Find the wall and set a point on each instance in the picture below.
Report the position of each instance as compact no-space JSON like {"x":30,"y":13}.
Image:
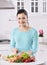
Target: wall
{"x":8,"y":21}
{"x":6,"y":25}
{"x":39,"y":22}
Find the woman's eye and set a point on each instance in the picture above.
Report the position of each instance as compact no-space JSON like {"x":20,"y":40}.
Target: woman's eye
{"x":23,"y":17}
{"x":19,"y":18}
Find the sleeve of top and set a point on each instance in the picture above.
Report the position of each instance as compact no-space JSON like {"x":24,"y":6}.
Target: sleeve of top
{"x":35,"y":43}
{"x":12,"y":41}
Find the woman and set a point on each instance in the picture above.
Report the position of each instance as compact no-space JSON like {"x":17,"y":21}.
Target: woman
{"x":24,"y":38}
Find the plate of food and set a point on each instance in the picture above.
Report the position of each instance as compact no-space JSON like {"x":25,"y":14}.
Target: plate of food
{"x":19,"y":58}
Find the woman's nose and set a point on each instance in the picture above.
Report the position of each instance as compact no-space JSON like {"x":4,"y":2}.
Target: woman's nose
{"x":21,"y":21}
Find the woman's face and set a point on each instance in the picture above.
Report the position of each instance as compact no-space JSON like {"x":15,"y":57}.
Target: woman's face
{"x":22,"y":19}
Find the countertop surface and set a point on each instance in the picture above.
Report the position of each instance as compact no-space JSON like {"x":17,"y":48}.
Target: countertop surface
{"x":39,"y":61}
{"x":41,"y":58}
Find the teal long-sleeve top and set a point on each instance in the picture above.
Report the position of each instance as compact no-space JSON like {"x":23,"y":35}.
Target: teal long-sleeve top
{"x":24,"y":41}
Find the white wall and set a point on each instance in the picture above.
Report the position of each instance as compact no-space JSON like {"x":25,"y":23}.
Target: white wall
{"x":5,"y":24}
{"x":38,"y":21}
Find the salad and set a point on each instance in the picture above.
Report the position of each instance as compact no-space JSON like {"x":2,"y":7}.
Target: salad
{"x":24,"y":57}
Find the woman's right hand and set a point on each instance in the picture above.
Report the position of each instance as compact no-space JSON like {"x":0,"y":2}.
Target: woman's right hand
{"x":15,"y":51}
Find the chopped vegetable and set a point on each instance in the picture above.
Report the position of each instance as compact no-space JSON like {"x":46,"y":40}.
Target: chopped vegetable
{"x":11,"y":56}
{"x":17,"y":58}
{"x":25,"y":55}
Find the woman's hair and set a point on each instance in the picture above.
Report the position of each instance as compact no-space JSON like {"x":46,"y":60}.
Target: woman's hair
{"x":22,"y":11}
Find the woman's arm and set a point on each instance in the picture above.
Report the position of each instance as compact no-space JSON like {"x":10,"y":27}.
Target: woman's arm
{"x":35,"y":43}
{"x":13,"y":43}
{"x":33,"y":49}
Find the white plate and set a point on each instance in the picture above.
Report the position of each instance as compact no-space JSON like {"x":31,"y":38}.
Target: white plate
{"x":39,"y":60}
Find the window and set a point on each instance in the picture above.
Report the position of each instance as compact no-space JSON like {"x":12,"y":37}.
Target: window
{"x":32,"y":9}
{"x":44,"y":5}
{"x":18,"y":8}
{"x":34,"y":5}
{"x":20,"y":4}
{"x":36,"y":9}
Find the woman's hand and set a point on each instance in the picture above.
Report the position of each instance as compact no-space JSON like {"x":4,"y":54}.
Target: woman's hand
{"x":14,"y":50}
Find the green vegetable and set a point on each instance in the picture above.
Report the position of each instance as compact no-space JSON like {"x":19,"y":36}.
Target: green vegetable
{"x":25,"y":55}
{"x":11,"y":56}
{"x":8,"y":56}
{"x":18,"y":60}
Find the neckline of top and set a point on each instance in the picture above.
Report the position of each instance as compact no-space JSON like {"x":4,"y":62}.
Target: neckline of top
{"x":25,"y":31}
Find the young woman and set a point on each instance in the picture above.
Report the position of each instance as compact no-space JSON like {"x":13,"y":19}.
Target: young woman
{"x":24,"y":38}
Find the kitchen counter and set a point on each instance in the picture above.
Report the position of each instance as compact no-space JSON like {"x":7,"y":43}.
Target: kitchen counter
{"x":40,"y":59}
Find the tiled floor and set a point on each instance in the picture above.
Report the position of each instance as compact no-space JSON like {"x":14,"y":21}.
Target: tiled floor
{"x":42,"y":50}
